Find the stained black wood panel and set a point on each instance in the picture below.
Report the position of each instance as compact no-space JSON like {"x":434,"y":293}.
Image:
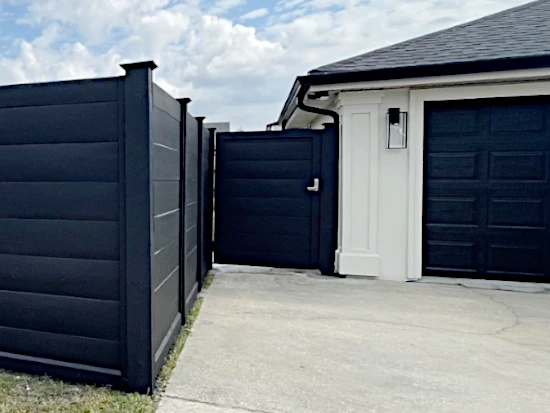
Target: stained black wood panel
{"x":166,"y":196}
{"x":92,"y":188}
{"x":71,"y":277}
{"x":165,"y":309}
{"x":164,"y":102}
{"x":206,"y":171}
{"x":67,"y":348}
{"x":165,"y":261}
{"x":264,"y":212}
{"x":73,"y":239}
{"x":61,"y":315}
{"x":487,"y":189}
{"x":60,"y":93}
{"x":63,"y":162}
{"x":191,"y":222}
{"x":90,"y":201}
{"x":59,"y":123}
{"x":60,"y":283}
{"x":165,"y":163}
{"x":166,"y":221}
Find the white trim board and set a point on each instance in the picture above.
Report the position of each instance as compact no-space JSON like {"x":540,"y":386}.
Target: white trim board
{"x":418,"y":98}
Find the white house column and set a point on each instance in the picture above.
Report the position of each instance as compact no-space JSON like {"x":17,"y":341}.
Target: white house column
{"x":358,"y":227}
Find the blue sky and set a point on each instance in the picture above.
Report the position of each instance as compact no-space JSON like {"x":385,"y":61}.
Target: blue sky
{"x":236,"y":59}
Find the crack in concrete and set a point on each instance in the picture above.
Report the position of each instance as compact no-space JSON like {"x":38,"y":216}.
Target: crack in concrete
{"x":515,"y":315}
{"x":357,"y":320}
{"x":517,"y":319}
{"x":213,"y":404}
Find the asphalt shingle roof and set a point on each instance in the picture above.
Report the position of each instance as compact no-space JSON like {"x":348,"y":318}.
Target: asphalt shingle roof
{"x":523,"y":31}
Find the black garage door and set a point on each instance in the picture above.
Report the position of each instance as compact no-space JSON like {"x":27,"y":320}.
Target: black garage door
{"x":487,"y":195}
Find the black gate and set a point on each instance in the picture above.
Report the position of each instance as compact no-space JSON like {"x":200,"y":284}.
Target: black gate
{"x":276,"y":198}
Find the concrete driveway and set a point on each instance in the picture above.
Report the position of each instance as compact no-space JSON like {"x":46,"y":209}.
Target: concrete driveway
{"x":302,"y":343}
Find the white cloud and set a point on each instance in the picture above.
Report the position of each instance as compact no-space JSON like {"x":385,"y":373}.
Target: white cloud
{"x":255,"y":14}
{"x":236,"y":72}
{"x":289,"y":4}
{"x":223,"y":6}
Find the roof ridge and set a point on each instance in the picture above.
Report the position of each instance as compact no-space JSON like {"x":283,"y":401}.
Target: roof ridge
{"x":434,"y":34}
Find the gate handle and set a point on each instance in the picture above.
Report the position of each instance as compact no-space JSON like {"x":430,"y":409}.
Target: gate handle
{"x":315,"y":187}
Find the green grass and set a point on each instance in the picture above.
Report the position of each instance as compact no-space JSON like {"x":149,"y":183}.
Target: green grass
{"x":21,"y":393}
{"x":170,"y":364}
{"x":208,"y":281}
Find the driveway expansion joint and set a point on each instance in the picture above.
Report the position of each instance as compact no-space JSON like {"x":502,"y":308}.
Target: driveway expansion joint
{"x":223,"y":406}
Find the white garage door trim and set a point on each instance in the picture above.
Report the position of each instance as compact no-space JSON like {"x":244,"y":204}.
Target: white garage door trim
{"x":416,"y":148}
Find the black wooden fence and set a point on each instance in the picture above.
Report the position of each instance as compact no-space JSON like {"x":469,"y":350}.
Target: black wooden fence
{"x":206,"y":210}
{"x":99,"y":227}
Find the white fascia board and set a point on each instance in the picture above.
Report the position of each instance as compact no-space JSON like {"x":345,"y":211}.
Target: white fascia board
{"x":472,"y":78}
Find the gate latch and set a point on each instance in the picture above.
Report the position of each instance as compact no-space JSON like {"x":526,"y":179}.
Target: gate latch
{"x":315,"y":187}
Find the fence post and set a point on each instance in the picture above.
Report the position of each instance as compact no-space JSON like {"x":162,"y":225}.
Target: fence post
{"x":137,"y":344}
{"x":200,"y":217}
{"x":211,"y":196}
{"x":184,"y":102}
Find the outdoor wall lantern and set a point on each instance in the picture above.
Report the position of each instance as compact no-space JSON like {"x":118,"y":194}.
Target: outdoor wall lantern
{"x":397,"y":129}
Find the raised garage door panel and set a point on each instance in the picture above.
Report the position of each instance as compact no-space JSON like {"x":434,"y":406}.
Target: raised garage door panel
{"x":486,"y":197}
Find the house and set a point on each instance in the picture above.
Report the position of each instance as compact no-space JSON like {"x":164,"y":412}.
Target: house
{"x":444,"y":150}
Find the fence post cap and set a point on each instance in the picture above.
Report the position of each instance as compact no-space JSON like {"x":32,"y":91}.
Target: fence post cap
{"x":139,"y":65}
{"x":184,"y":101}
{"x":200,"y":119}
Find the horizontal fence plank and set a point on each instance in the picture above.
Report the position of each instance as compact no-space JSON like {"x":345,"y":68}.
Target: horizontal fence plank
{"x":281,"y":243}
{"x":165,"y":196}
{"x":60,"y":238}
{"x":60,"y":200}
{"x":77,"y":162}
{"x":265,"y":225}
{"x":269,"y":188}
{"x":190,"y":240}
{"x":164,"y":262}
{"x":190,"y":273}
{"x":91,"y":122}
{"x":191,"y":215}
{"x":259,"y":169}
{"x":60,"y":93}
{"x":165,"y":308}
{"x":166,"y":344}
{"x":166,"y":230}
{"x":60,"y":276}
{"x":72,"y":349}
{"x":192,"y":167}
{"x":166,"y":129}
{"x":191,"y":136}
{"x":264,"y":206}
{"x":61,"y":315}
{"x":264,"y":149}
{"x":165,"y":102}
{"x":166,"y":164}
{"x":191,"y":190}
